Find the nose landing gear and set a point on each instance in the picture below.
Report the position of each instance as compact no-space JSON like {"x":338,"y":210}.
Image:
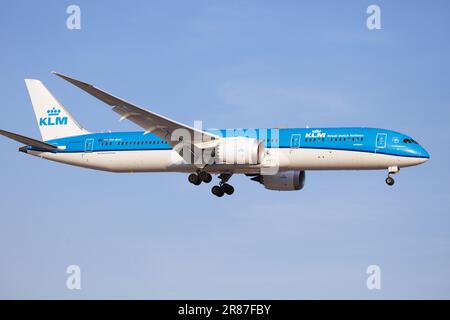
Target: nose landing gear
{"x":391,"y":170}
{"x":390,"y":181}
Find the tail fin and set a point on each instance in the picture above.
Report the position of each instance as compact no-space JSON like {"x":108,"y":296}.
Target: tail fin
{"x":53,"y":119}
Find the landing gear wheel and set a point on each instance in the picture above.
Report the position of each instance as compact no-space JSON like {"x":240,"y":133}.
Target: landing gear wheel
{"x":205,"y":177}
{"x":390,"y":181}
{"x":228,"y":189}
{"x":217,"y":191}
{"x":194,"y":179}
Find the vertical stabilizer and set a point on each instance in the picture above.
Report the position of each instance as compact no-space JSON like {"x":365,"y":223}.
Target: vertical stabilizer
{"x":53,"y":119}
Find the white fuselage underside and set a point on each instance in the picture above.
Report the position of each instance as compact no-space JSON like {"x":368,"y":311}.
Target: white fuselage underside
{"x":274,"y":160}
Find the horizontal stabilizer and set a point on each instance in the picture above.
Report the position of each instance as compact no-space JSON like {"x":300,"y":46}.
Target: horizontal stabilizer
{"x":28,"y":141}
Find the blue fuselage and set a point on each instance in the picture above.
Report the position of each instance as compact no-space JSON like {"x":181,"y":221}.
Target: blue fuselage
{"x":370,"y":140}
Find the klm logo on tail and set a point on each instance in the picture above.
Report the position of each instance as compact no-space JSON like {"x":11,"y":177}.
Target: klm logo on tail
{"x":53,"y":118}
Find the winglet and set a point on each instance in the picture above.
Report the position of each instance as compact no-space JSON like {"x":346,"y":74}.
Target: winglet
{"x":89,"y":88}
{"x":75,"y":82}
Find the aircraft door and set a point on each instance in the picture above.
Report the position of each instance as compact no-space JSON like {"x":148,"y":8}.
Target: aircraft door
{"x":380,"y":141}
{"x":295,"y":141}
{"x":89,"y":145}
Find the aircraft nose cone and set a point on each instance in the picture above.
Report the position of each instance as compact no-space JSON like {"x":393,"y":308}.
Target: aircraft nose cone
{"x":425,"y":154}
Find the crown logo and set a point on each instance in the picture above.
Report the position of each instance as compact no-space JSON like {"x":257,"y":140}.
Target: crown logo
{"x":53,"y":112}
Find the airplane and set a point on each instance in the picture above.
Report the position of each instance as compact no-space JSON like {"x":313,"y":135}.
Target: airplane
{"x":277,"y":158}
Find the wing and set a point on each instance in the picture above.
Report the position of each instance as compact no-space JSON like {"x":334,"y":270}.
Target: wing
{"x":28,"y":141}
{"x":151,"y":122}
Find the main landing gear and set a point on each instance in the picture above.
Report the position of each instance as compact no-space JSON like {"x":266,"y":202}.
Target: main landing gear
{"x":219,"y":190}
{"x":223,"y":187}
{"x":392,"y":170}
{"x":202,"y":176}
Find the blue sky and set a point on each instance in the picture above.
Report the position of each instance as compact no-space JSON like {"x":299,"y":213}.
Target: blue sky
{"x":230,"y":64}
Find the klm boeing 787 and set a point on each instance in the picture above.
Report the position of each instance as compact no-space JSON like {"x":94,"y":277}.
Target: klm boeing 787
{"x":277,"y":157}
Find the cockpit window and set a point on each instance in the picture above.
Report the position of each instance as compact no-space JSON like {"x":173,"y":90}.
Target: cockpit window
{"x":409,"y":141}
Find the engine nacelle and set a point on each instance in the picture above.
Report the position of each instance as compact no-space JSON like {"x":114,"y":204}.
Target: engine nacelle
{"x":283,"y":181}
{"x":239,"y":150}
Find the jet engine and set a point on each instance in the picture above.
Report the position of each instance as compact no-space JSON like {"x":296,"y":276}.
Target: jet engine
{"x":283,"y":181}
{"x":239,"y":150}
